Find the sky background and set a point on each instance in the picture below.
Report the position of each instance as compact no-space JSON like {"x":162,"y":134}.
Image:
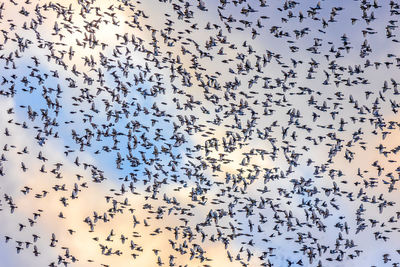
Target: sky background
{"x":199,"y":133}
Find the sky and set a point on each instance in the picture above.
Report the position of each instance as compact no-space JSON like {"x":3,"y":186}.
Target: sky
{"x":199,"y":133}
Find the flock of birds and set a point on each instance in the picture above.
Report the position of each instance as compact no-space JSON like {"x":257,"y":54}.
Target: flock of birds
{"x":199,"y":133}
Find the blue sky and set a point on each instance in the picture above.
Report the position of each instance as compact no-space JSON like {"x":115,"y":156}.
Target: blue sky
{"x":201,"y":91}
